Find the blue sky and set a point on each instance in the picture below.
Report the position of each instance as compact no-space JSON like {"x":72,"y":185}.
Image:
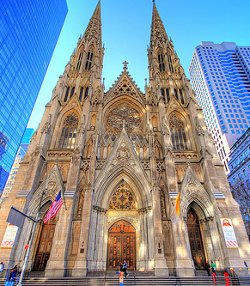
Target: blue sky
{"x":126,"y":33}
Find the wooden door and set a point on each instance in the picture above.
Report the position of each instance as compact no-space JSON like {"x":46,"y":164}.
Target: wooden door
{"x":195,"y":240}
{"x":121,"y":245}
{"x":44,"y":247}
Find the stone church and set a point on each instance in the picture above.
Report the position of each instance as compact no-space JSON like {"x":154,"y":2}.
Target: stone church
{"x":120,"y":158}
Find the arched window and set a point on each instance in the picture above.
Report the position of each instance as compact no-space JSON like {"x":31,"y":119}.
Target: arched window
{"x":66,"y":94}
{"x":161,"y":62}
{"x":79,"y":62}
{"x":80,"y":94}
{"x":170,"y":63}
{"x":86,"y":92}
{"x":181,"y":96}
{"x":89,"y":61}
{"x":72,"y":91}
{"x":69,"y":131}
{"x":178,"y":135}
{"x":176,"y":93}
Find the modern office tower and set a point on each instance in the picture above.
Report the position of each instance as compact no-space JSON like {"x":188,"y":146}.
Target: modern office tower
{"x":220,"y":76}
{"x":19,"y":157}
{"x":239,"y":176}
{"x":28,"y":34}
{"x":140,"y":177}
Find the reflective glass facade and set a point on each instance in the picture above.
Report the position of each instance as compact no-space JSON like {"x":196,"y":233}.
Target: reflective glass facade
{"x":220,"y":76}
{"x":29,"y":31}
{"x":19,"y":156}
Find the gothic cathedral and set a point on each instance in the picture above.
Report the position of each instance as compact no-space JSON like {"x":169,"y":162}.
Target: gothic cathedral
{"x":121,"y":158}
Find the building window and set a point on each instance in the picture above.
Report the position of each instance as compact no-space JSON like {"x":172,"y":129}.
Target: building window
{"x":66,"y":94}
{"x":80,"y":94}
{"x":69,"y":131}
{"x":72,"y":91}
{"x":161,"y":62}
{"x":86,"y":92}
{"x":181,"y":96}
{"x":178,"y":134}
{"x":170,"y":63}
{"x":79,"y":63}
{"x":176,"y":93}
{"x":89,"y":61}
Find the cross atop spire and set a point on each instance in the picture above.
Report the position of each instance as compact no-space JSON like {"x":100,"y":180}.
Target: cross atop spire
{"x":125,"y":65}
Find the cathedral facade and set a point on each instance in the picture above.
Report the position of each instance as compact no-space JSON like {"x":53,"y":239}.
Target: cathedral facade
{"x":121,"y":158}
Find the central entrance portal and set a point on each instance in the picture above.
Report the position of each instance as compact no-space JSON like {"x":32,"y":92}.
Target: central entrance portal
{"x":121,"y":245}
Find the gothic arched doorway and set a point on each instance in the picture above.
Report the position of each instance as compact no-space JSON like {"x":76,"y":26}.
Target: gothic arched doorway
{"x":195,"y":239}
{"x":44,"y":245}
{"x":121,"y":245}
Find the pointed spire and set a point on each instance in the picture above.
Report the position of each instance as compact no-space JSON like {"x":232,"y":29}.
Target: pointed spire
{"x":93,"y":31}
{"x":158,"y":31}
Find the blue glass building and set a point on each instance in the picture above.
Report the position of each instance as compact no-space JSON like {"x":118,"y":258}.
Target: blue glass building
{"x":220,"y":76}
{"x":19,"y":156}
{"x":29,"y":31}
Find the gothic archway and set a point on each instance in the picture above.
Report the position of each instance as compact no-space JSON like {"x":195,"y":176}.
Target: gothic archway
{"x":121,"y":245}
{"x":195,"y":239}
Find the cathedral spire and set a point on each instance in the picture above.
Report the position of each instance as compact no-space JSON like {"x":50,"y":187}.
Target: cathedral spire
{"x":158,"y":32}
{"x":93,"y":32}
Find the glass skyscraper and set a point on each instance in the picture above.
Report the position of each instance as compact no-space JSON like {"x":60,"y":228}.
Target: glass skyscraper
{"x":19,"y":156}
{"x":220,"y":76}
{"x":29,"y":31}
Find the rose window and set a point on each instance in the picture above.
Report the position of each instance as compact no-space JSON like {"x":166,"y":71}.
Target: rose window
{"x":126,"y":116}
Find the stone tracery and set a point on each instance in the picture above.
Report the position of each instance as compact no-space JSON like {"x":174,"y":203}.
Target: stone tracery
{"x":122,"y":198}
{"x":124,"y":115}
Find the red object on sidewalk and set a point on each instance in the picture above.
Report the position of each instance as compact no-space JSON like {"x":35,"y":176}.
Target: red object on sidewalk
{"x":214,"y":277}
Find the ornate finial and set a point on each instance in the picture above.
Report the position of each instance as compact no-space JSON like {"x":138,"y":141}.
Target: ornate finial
{"x":125,"y":65}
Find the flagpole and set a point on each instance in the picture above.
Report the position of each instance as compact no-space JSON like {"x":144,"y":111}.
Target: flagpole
{"x":31,"y":238}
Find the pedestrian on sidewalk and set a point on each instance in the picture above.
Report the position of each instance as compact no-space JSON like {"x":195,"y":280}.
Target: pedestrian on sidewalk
{"x":125,"y":267}
{"x":214,"y":277}
{"x":208,"y":268}
{"x":1,"y":269}
{"x":121,"y":274}
{"x":213,"y":266}
{"x":227,"y":278}
{"x":234,"y":278}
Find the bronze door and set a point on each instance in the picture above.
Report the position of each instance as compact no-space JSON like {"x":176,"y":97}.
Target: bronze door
{"x":44,"y":247}
{"x":121,"y":245}
{"x":195,"y":240}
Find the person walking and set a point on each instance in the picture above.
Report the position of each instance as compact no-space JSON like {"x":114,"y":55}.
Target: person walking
{"x":214,"y":277}
{"x":213,"y":266}
{"x":227,"y":278}
{"x":121,"y":273}
{"x":125,"y":267}
{"x":234,"y":278}
{"x":1,"y":269}
{"x":207,"y":266}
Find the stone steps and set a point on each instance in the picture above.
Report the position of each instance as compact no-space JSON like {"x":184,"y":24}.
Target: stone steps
{"x":113,"y":281}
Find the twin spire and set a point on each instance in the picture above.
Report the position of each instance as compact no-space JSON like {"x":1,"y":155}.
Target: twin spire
{"x":158,"y":31}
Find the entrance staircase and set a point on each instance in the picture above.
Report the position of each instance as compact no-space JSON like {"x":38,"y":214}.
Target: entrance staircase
{"x":131,"y":280}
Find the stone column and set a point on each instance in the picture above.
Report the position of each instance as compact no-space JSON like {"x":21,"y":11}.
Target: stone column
{"x":183,"y":258}
{"x":100,"y":241}
{"x":160,"y":261}
{"x":80,"y":268}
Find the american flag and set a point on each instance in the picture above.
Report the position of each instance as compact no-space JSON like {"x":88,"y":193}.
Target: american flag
{"x":54,"y":208}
